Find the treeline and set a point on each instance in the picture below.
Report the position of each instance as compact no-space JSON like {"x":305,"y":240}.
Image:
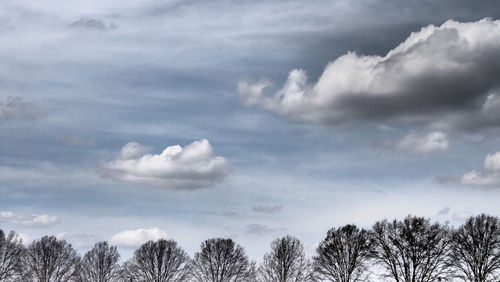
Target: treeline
{"x":410,"y":250}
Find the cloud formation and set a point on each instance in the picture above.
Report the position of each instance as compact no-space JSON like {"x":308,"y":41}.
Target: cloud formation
{"x":193,"y":166}
{"x":424,"y":143}
{"x":16,"y":108}
{"x":444,"y":77}
{"x":92,"y":24}
{"x":134,"y":238}
{"x":260,"y":229}
{"x":29,"y":220}
{"x":267,"y":209}
{"x":489,"y":176}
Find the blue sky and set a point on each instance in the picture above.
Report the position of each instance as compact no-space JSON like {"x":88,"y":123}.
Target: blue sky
{"x":92,"y":93}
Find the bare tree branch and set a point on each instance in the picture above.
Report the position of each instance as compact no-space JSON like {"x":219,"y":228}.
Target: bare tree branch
{"x":221,"y":260}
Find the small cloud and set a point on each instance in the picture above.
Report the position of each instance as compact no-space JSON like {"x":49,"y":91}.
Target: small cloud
{"x":134,"y":238}
{"x":193,"y":166}
{"x":92,"y":24}
{"x":461,"y":216}
{"x":29,"y":220}
{"x":260,"y":229}
{"x":16,"y":108}
{"x":78,"y":239}
{"x":267,"y":209}
{"x":424,"y":143}
{"x":444,"y":211}
{"x":489,"y":176}
{"x":230,"y":213}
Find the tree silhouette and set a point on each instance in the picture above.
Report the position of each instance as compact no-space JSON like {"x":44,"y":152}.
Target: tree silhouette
{"x":100,"y":264}
{"x":51,"y":260}
{"x":11,"y":257}
{"x":342,"y":256}
{"x":475,"y":254}
{"x":221,"y":260}
{"x":412,"y":250}
{"x":160,"y":261}
{"x":285,"y":263}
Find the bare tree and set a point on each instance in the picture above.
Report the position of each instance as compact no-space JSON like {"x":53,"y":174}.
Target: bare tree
{"x":343,"y":255}
{"x":51,"y":260}
{"x":160,"y":261}
{"x":221,"y":260}
{"x":11,"y":257}
{"x":475,"y":254}
{"x":412,"y":250}
{"x":286,"y":262}
{"x":100,"y":264}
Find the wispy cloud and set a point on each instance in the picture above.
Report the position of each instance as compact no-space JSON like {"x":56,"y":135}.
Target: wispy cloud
{"x":260,"y":229}
{"x":29,"y":220}
{"x":17,"y":108}
{"x":267,"y":209}
{"x":424,"y":143}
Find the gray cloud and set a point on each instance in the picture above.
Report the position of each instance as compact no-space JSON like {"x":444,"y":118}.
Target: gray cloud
{"x":444,"y":77}
{"x":193,"y":166}
{"x":444,"y":211}
{"x":92,"y":24}
{"x":16,"y":108}
{"x":230,"y":214}
{"x":260,"y":229}
{"x":267,"y":209}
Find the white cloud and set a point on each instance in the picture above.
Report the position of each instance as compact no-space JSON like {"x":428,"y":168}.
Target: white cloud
{"x":445,"y":77}
{"x":488,"y":176}
{"x":31,"y":220}
{"x":193,"y":166}
{"x":134,"y":238}
{"x":424,"y":143}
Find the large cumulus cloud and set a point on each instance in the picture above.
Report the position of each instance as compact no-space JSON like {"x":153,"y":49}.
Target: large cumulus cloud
{"x":443,"y":77}
{"x":193,"y":166}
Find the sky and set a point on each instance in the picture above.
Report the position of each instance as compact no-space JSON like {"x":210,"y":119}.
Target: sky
{"x":130,"y":121}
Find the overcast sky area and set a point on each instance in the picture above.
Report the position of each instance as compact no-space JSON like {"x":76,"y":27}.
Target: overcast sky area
{"x":133,"y":120}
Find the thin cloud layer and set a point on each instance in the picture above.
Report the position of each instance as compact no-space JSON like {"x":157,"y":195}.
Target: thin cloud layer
{"x":489,"y":176}
{"x":28,"y":220}
{"x":134,"y":238}
{"x":267,"y":209}
{"x":424,"y":143}
{"x":444,"y":77}
{"x":193,"y":166}
{"x":17,"y":108}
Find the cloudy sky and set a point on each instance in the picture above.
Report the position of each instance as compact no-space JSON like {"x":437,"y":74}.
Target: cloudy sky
{"x":134,"y":120}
